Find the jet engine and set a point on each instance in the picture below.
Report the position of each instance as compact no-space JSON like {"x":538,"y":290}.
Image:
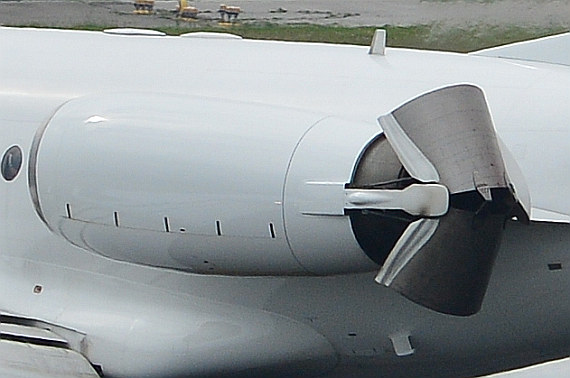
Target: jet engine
{"x":220,"y":187}
{"x":437,"y":182}
{"x":200,"y":185}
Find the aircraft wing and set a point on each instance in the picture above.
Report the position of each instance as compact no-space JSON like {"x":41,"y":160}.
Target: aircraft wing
{"x":28,"y":351}
{"x":551,"y":369}
{"x":553,"y":49}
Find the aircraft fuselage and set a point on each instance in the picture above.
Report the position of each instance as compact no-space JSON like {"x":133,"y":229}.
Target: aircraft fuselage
{"x":176,"y":205}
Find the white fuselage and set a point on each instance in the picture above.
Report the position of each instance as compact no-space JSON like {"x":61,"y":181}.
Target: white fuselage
{"x":173,"y":316}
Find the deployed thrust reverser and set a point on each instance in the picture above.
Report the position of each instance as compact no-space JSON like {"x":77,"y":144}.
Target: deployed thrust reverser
{"x":444,"y":236}
{"x":220,"y":187}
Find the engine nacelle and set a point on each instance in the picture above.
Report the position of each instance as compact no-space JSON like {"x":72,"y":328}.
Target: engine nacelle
{"x":201,"y":185}
{"x":220,"y":187}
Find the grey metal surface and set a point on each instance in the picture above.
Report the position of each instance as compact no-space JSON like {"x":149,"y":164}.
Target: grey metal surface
{"x":453,"y":128}
{"x":21,"y":360}
{"x":447,"y":136}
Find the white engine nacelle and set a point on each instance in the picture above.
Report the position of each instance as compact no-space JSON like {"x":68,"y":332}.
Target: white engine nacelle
{"x":201,"y":185}
{"x":220,"y":187}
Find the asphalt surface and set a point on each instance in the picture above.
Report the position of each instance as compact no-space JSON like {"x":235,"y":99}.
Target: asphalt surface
{"x":120,"y":13}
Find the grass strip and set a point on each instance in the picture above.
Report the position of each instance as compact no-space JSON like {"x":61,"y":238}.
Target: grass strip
{"x":428,"y":37}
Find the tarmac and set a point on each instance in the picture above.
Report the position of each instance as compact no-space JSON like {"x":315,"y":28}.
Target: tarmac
{"x":120,"y":13}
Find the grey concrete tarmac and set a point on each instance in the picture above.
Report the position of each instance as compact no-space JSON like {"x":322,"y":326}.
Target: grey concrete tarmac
{"x":119,"y":13}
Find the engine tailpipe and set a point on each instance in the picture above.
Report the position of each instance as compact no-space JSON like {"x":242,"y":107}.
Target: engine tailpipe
{"x":446,"y":143}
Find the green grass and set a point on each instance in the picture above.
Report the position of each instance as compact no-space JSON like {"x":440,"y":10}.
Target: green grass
{"x":431,"y":37}
{"x":472,"y":38}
